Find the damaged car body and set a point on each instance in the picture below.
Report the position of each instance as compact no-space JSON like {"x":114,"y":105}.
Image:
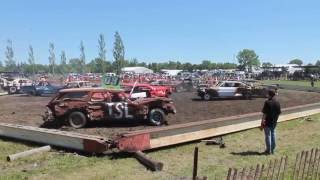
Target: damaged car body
{"x":78,"y":106}
{"x":233,"y":89}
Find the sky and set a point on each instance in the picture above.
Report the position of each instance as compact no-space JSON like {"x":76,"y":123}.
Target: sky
{"x":158,"y":31}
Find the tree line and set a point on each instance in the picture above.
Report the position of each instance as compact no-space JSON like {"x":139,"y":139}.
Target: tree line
{"x":59,"y":64}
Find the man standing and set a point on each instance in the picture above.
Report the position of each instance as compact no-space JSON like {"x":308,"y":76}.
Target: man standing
{"x":271,"y":111}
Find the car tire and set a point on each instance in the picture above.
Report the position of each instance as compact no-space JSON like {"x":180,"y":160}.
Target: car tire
{"x":207,"y":97}
{"x":247,"y":96}
{"x":157,"y":117}
{"x":12,"y":90}
{"x":77,"y":119}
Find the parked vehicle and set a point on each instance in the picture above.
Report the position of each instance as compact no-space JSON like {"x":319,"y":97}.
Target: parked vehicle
{"x":41,"y":89}
{"x":13,"y":85}
{"x":233,"y":89}
{"x":152,"y":91}
{"x":77,"y":84}
{"x":80,"y":105}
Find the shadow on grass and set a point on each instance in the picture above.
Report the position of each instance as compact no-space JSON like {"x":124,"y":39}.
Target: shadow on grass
{"x":248,"y":153}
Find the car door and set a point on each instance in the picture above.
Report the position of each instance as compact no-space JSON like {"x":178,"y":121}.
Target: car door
{"x":227,"y":89}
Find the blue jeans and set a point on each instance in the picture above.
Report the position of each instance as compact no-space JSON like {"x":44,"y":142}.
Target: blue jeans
{"x":270,"y":138}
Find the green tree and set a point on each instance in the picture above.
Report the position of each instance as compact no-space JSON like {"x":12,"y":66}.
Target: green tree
{"x":247,"y":59}
{"x":267,"y":64}
{"x":10,"y":62}
{"x":82,"y":58}
{"x":317,"y":63}
{"x":31,"y":59}
{"x":296,"y":61}
{"x":118,"y":52}
{"x":205,"y":64}
{"x":133,"y":62}
{"x":187,"y":67}
{"x":75,"y":64}
{"x":63,"y":63}
{"x":52,"y":58}
{"x":102,"y":51}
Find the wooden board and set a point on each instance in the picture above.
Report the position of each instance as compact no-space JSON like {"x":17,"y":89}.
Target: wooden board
{"x":218,"y":131}
{"x":53,"y":137}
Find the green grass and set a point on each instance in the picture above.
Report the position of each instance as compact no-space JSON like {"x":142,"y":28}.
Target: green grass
{"x":288,"y":82}
{"x":293,"y":137}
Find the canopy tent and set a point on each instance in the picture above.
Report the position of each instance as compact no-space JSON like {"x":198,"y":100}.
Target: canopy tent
{"x":137,"y":70}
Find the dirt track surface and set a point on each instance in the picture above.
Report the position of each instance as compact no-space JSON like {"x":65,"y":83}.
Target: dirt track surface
{"x":27,"y":110}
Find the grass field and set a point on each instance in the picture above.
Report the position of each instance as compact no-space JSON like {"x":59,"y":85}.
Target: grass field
{"x":296,"y":83}
{"x":241,"y":150}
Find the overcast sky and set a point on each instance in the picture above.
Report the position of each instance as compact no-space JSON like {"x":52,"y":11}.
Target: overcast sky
{"x":155,"y":31}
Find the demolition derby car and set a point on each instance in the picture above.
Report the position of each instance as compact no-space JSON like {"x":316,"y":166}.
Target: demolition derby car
{"x":234,"y":89}
{"x":151,"y":90}
{"x":41,"y":89}
{"x":78,"y":106}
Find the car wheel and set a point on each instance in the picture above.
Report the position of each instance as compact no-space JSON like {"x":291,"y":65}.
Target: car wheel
{"x":207,"y":97}
{"x":77,"y":119}
{"x":12,"y":90}
{"x":247,"y":95}
{"x":157,"y":117}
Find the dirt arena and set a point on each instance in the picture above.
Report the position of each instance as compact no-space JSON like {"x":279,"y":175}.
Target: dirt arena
{"x":27,"y":110}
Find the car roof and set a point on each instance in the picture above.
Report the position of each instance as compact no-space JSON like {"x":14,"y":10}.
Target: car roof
{"x":77,"y":81}
{"x":91,"y":89}
{"x":231,"y":81}
{"x":138,"y":84}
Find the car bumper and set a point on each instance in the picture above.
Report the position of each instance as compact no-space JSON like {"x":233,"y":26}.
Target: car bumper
{"x":48,"y":115}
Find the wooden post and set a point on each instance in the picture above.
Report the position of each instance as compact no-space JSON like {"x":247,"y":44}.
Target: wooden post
{"x":304,"y":164}
{"x":268,"y":169}
{"x":309,"y":163}
{"x":235,"y":174}
{"x":149,"y":163}
{"x":314,"y":161}
{"x":243,"y":173}
{"x":13,"y":157}
{"x":295,"y":166}
{"x":280,"y":167}
{"x":195,"y":164}
{"x":317,"y":169}
{"x":285,"y":167}
{"x":300,"y":162}
{"x":256,"y":174}
{"x":261,"y":173}
{"x":229,"y":174}
{"x":274,"y":166}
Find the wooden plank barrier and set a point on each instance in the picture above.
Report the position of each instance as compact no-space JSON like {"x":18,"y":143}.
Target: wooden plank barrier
{"x":306,"y":167}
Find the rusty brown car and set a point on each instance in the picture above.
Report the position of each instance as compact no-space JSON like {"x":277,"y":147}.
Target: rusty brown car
{"x":78,"y":106}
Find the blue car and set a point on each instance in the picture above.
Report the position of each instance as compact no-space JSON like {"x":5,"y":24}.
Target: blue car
{"x":41,"y":89}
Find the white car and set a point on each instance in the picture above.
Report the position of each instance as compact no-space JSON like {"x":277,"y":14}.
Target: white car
{"x":226,"y":89}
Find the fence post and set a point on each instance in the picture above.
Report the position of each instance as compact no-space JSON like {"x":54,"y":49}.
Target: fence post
{"x":235,"y":174}
{"x":300,"y":161}
{"x":285,"y":167}
{"x":257,"y":172}
{"x":229,"y":174}
{"x":274,"y":166}
{"x":243,"y":173}
{"x":280,"y":167}
{"x":195,"y":164}
{"x":310,"y":163}
{"x":317,"y":172}
{"x":261,"y":173}
{"x":304,"y":164}
{"x":314,"y":162}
